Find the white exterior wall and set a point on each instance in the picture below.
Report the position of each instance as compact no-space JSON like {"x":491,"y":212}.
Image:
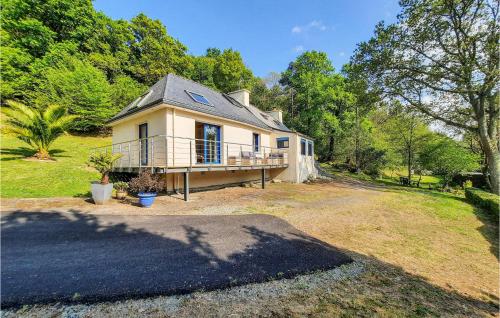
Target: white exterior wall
{"x":129,"y":130}
{"x":178,"y":124}
{"x":299,"y":167}
{"x":305,"y":163}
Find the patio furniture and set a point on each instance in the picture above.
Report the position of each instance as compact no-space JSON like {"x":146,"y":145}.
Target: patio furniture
{"x":404,"y":181}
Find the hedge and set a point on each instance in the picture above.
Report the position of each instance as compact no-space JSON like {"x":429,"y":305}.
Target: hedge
{"x":483,"y":199}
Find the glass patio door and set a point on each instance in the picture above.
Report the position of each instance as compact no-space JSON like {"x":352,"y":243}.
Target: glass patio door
{"x":211,"y":143}
{"x":143,"y":144}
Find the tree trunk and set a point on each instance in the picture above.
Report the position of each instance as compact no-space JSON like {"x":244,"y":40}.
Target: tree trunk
{"x":331,"y":148}
{"x":493,"y":160}
{"x":488,"y":136}
{"x":105,"y":179}
{"x":42,"y":154}
{"x":409,"y":167}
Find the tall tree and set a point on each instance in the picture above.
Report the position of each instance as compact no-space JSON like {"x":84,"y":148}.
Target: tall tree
{"x":441,"y":58}
{"x":446,"y":157}
{"x":154,"y":52}
{"x":320,"y":97}
{"x":109,"y":47}
{"x":230,"y":72}
{"x":35,"y":25}
{"x":81,"y":88}
{"x":408,"y":133}
{"x":125,"y":90}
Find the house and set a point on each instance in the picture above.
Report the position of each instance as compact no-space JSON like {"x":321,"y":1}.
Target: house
{"x":200,"y":138}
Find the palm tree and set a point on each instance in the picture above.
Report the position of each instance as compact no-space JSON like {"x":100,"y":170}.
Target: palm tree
{"x":37,"y":128}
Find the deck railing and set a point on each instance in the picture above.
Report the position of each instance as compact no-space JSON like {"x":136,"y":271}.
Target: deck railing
{"x":178,"y":152}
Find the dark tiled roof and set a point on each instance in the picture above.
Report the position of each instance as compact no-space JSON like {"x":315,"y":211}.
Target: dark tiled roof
{"x":172,"y":89}
{"x":268,"y":119}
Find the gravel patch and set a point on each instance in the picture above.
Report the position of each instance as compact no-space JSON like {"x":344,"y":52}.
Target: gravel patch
{"x":171,"y":306}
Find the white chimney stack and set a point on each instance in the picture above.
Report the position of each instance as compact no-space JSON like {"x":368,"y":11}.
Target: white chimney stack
{"x":242,"y":96}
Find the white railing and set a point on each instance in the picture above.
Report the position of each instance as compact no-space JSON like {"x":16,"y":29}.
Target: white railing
{"x":179,"y":152}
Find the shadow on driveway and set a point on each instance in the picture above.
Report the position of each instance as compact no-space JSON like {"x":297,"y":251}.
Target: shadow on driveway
{"x":53,"y":256}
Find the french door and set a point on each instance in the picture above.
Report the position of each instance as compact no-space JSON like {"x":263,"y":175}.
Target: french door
{"x":212,"y":144}
{"x":143,"y":144}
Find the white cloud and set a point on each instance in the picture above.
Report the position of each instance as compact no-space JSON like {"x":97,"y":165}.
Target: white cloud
{"x":313,"y":25}
{"x":298,"y":48}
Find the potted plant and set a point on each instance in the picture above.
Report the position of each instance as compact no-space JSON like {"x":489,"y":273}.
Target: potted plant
{"x":146,"y":186}
{"x":102,"y":162}
{"x":121,"y":189}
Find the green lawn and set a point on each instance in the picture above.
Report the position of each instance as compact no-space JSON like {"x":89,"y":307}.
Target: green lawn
{"x":67,"y":176}
{"x":388,"y":177}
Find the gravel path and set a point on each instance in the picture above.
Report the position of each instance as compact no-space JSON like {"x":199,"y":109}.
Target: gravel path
{"x":255,"y":295}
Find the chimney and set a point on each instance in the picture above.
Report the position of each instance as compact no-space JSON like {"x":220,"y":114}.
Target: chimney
{"x":276,"y":114}
{"x":242,"y":96}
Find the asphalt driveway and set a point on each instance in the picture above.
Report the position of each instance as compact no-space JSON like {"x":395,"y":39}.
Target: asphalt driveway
{"x":54,"y":256}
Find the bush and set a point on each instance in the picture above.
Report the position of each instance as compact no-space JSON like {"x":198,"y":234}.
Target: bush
{"x":146,"y":182}
{"x":103,"y":162}
{"x":120,"y":186}
{"x":483,"y":199}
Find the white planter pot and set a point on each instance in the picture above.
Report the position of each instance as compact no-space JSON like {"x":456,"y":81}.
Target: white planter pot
{"x":101,"y":193}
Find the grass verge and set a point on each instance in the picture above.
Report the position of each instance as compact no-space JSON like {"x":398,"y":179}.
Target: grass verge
{"x":68,"y":175}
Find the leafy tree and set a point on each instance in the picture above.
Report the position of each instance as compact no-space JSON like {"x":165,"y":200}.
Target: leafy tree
{"x":321,"y":100}
{"x":441,"y":58}
{"x":230,"y":72}
{"x":124,"y":90}
{"x":154,"y":53}
{"x":447,"y":158}
{"x":268,"y":98}
{"x":203,"y":70}
{"x":81,"y":88}
{"x":109,"y":46}
{"x":364,"y":102}
{"x":39,"y":129}
{"x":407,"y":134}
{"x":15,"y":65}
{"x":222,"y":70}
{"x":35,"y":25}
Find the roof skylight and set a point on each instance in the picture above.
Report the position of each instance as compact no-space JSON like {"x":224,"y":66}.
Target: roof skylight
{"x":199,"y":98}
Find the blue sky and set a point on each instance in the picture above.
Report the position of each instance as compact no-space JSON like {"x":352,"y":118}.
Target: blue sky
{"x":269,"y":34}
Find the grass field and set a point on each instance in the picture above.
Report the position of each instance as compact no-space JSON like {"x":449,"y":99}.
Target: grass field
{"x":68,"y":175}
{"x":424,"y":253}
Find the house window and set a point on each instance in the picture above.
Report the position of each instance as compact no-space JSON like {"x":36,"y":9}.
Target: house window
{"x":207,"y":143}
{"x":256,"y":142}
{"x":303,"y":147}
{"x":309,"y":148}
{"x":282,"y":142}
{"x":199,"y":98}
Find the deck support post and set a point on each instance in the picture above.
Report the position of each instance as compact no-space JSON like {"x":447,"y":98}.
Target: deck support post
{"x":263,"y":176}
{"x":186,"y":186}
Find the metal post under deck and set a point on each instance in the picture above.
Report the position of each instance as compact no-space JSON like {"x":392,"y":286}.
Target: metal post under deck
{"x":263,"y":175}
{"x":186,"y":186}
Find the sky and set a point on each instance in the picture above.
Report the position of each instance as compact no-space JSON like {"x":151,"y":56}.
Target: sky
{"x":268,"y":33}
